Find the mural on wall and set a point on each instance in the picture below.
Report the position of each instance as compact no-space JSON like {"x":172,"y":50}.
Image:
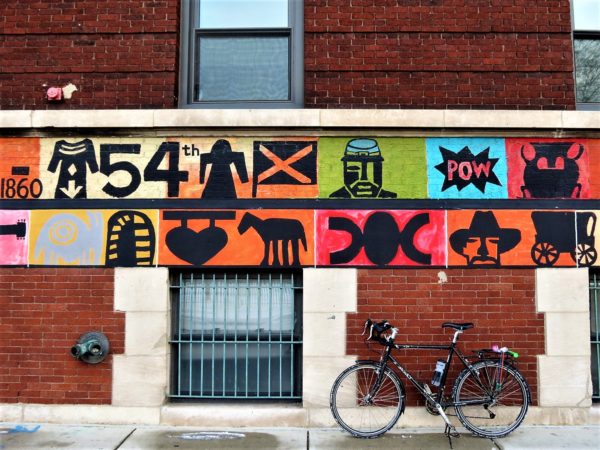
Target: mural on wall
{"x":13,"y":237}
{"x":257,"y":238}
{"x":466,"y":168}
{"x":484,"y":241}
{"x":380,"y":238}
{"x":20,"y":169}
{"x":130,"y":240}
{"x":73,"y":159}
{"x":298,"y":167}
{"x":330,"y":174}
{"x":548,"y":168}
{"x":223,"y":163}
{"x":196,"y":247}
{"x":285,"y":169}
{"x":558,"y":233}
{"x":372,"y":168}
{"x":300,"y":238}
{"x":92,"y":238}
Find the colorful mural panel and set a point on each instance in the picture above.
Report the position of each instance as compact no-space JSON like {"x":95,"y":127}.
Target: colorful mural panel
{"x":93,"y":238}
{"x":13,"y":237}
{"x":20,"y":168}
{"x":372,"y":168}
{"x":548,"y":168}
{"x":265,"y":238}
{"x":381,"y":238}
{"x":95,"y":167}
{"x":466,"y":168}
{"x":294,"y":238}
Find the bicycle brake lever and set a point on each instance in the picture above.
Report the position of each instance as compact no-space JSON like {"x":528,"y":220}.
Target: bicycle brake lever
{"x":370,"y":324}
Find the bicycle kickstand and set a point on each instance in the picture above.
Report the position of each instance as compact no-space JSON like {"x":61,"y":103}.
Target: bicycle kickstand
{"x":450,"y":432}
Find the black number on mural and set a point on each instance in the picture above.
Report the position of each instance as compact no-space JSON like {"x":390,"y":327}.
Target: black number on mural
{"x":197,"y":247}
{"x":130,"y":240}
{"x":484,"y":241}
{"x":551,"y":170}
{"x":276,"y":233}
{"x":220,"y":182}
{"x":22,"y":188}
{"x":363,"y":171}
{"x":107,"y":168}
{"x":172,"y":175}
{"x":73,"y":158}
{"x":380,"y":238}
{"x":463,"y":168}
{"x":284,"y":163}
{"x":562,"y":232}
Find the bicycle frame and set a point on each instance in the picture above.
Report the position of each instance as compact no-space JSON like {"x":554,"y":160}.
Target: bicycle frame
{"x":438,"y":398}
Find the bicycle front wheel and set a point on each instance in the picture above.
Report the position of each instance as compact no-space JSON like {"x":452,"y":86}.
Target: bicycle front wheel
{"x":364,"y":407}
{"x":492,"y":399}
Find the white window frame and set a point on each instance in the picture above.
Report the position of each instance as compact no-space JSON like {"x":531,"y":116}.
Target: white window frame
{"x":295,"y":31}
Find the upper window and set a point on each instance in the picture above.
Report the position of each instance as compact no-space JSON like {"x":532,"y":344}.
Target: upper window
{"x":241,"y":54}
{"x":586,"y":34}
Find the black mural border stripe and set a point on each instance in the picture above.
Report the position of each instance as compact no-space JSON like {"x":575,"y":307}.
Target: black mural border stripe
{"x":316,"y":204}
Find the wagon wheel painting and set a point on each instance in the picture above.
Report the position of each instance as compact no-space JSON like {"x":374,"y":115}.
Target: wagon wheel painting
{"x":584,"y":254}
{"x":544,"y":254}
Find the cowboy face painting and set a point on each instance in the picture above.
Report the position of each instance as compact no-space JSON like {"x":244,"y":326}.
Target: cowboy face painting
{"x":482,"y":250}
{"x":484,"y":241}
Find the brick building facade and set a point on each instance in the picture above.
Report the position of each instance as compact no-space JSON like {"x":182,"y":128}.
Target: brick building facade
{"x":429,"y":62}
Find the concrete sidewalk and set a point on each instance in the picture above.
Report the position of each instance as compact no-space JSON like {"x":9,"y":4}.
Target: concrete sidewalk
{"x":112,"y":437}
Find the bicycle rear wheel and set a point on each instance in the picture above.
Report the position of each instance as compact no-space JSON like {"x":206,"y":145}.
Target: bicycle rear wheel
{"x":492,"y":400}
{"x":362,"y":408}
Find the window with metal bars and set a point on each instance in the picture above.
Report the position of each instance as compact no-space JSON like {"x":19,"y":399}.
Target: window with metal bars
{"x":236,"y":335}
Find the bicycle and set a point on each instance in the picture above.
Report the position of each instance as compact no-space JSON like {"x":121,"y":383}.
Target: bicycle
{"x":490,"y":396}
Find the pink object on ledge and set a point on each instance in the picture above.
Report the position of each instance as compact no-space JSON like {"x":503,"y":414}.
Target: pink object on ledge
{"x":54,"y":93}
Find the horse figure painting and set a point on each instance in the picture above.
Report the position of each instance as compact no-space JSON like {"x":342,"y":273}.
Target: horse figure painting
{"x":276,"y":232}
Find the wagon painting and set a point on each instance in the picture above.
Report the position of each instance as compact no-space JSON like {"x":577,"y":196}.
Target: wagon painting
{"x":561,"y":232}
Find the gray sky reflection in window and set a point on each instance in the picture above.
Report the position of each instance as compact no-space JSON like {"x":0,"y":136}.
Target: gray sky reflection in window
{"x":243,"y":13}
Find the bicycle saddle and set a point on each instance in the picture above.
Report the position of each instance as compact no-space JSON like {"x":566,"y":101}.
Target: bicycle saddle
{"x":458,"y":326}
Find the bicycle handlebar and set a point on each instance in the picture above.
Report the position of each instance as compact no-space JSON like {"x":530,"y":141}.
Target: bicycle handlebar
{"x":377,"y":328}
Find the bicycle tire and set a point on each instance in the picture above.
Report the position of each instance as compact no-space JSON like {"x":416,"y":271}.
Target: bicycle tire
{"x":355,"y":412}
{"x":506,"y":390}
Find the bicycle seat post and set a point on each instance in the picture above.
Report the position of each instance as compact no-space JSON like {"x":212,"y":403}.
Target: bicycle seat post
{"x":456,"y":334}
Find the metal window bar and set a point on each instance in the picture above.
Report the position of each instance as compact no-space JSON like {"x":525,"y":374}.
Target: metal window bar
{"x":595,"y":331}
{"x":236,"y":336}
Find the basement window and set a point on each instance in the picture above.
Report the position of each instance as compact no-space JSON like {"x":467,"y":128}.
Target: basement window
{"x":236,"y":335}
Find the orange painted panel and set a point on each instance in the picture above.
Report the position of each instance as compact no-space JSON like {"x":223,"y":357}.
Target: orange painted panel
{"x":265,"y":238}
{"x":20,"y":168}
{"x":511,"y":238}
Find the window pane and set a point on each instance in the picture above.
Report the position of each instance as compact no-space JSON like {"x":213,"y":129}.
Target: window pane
{"x":248,"y":13}
{"x":587,"y":70}
{"x":586,"y":14}
{"x":243,"y":68}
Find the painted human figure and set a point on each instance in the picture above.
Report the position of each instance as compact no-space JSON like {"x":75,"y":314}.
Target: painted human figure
{"x":220,"y":182}
{"x":74,"y":159}
{"x":362,"y":171}
{"x":484,"y":241}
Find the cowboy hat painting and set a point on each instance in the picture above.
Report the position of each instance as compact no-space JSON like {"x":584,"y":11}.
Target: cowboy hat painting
{"x":484,"y":241}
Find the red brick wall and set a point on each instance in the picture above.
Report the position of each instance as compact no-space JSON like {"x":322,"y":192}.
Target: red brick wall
{"x":42,"y":314}
{"x":119,"y":53}
{"x":506,"y":54}
{"x":500,"y":302}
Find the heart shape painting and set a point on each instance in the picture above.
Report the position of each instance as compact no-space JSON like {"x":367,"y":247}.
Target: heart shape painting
{"x":193,"y":247}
